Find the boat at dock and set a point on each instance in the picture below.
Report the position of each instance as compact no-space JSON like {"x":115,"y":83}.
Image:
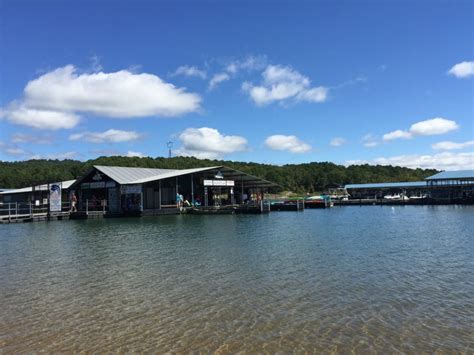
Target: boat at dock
{"x":287,"y":205}
{"x":319,"y":201}
{"x":396,"y":197}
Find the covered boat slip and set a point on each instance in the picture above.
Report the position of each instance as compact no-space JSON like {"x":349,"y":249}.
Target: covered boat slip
{"x":448,"y":187}
{"x":143,"y":191}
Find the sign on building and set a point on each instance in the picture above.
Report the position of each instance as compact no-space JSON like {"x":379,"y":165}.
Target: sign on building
{"x":55,"y":197}
{"x":131,"y":189}
{"x":219,"y":183}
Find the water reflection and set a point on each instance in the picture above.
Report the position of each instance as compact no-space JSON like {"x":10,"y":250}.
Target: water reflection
{"x":355,"y":278}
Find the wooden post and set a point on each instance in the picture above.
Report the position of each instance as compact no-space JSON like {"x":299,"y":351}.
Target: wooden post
{"x":87,"y":207}
{"x":31,"y":211}
{"x":177,"y":193}
{"x":9,"y":212}
{"x":159,"y":194}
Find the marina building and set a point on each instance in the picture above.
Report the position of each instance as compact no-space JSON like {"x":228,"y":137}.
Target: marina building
{"x":113,"y":190}
{"x":146,"y":191}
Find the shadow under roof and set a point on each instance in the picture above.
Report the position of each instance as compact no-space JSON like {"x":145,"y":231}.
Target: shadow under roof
{"x":387,"y":185}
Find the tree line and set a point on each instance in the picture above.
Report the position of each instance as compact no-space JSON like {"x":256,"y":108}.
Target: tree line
{"x":308,"y":177}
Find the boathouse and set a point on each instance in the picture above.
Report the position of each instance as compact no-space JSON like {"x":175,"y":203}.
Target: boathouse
{"x":452,"y":186}
{"x":444,"y":187}
{"x":379,"y":190}
{"x":146,"y":191}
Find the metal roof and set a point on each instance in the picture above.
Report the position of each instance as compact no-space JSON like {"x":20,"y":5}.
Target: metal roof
{"x":126,"y":175}
{"x":387,"y":185}
{"x":173,"y":173}
{"x":460,"y":174}
{"x":64,"y":184}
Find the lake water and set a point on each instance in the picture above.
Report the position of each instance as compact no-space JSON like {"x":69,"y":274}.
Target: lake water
{"x":385,"y":279}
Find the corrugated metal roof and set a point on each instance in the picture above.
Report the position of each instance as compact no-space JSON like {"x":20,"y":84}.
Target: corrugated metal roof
{"x":460,"y":174}
{"x":17,"y":191}
{"x":124,"y":175}
{"x":172,"y":173}
{"x":387,"y":185}
{"x":64,"y":184}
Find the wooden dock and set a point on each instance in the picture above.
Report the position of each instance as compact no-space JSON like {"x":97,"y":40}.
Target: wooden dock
{"x":34,"y":217}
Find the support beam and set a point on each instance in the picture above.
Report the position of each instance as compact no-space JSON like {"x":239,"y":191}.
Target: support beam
{"x":192,"y":189}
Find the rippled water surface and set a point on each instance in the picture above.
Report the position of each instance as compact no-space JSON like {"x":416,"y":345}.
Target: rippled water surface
{"x":367,"y":279}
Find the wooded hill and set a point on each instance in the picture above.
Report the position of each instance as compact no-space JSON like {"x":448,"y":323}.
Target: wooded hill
{"x":308,"y":177}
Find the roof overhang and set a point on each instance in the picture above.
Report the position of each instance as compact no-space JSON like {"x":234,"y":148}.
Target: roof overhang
{"x":129,"y":176}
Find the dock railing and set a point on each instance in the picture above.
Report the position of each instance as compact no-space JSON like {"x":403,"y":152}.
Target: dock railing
{"x":21,"y":210}
{"x":95,"y":206}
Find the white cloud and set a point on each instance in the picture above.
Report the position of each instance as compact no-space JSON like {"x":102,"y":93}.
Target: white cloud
{"x":56,"y":156}
{"x":249,"y":63}
{"x":217,"y":79}
{"x":396,"y":135}
{"x":54,"y":100}
{"x":357,"y":80}
{"x":288,"y":143}
{"x":12,"y":150}
{"x":209,"y":143}
{"x":441,"y":161}
{"x":191,"y":71}
{"x":132,"y":154}
{"x":39,"y":118}
{"x":109,"y":136}
{"x":27,"y":138}
{"x":462,"y":70}
{"x":338,"y":141}
{"x":62,"y":156}
{"x":284,"y":83}
{"x":105,"y":152}
{"x":15,"y":151}
{"x":446,"y":145}
{"x":95,"y":63}
{"x":318,"y":94}
{"x":370,"y":141}
{"x":122,"y":94}
{"x":431,"y":127}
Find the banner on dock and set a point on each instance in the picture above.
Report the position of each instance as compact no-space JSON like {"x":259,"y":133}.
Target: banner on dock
{"x":55,"y":197}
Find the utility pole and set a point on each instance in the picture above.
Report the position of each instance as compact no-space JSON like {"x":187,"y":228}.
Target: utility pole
{"x":169,"y":145}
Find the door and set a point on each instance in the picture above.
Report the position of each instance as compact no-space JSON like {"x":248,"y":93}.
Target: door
{"x":113,"y":200}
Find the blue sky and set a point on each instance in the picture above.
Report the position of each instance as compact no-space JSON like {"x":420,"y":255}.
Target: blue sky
{"x":387,"y":82}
